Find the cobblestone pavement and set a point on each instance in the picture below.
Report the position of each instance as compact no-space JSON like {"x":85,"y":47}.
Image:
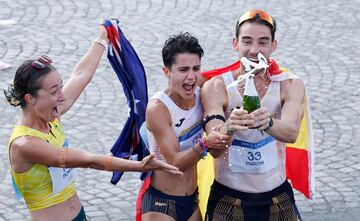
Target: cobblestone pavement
{"x":318,"y":40}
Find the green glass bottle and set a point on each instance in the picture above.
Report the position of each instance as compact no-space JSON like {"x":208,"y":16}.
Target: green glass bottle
{"x":251,"y":100}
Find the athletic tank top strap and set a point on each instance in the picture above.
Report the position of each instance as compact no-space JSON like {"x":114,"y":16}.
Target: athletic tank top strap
{"x":232,"y":92}
{"x":228,"y":78}
{"x":169,"y":103}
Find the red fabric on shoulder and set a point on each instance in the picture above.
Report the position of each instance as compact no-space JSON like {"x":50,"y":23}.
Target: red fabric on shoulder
{"x":222,"y":70}
{"x":274,"y":69}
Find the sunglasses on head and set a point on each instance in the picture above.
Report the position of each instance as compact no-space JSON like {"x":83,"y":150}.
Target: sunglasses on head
{"x":38,"y":64}
{"x":41,"y":62}
{"x":253,"y":13}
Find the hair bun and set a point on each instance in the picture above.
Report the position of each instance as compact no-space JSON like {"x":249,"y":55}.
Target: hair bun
{"x":11,"y":96}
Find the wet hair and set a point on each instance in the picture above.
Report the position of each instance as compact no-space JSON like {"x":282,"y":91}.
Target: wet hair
{"x":257,"y":20}
{"x":177,"y":44}
{"x":27,"y":80}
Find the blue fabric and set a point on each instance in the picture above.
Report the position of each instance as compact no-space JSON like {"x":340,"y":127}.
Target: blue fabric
{"x":131,"y":75}
{"x":18,"y":195}
{"x":250,"y":145}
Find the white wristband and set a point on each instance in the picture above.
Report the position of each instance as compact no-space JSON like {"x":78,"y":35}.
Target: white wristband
{"x":101,"y":41}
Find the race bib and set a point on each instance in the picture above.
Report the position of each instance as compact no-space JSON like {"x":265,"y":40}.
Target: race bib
{"x":247,"y":157}
{"x":191,"y":137}
{"x":61,"y":178}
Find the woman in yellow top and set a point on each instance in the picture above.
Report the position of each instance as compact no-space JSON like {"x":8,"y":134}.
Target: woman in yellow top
{"x":41,"y":161}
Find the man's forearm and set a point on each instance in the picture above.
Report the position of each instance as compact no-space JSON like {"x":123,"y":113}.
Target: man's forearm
{"x":284,"y":131}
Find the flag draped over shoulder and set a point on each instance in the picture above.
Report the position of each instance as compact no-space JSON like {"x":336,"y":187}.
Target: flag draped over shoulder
{"x":300,"y":156}
{"x":131,"y":75}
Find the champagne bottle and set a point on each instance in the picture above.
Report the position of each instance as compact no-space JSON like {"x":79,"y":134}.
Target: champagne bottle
{"x":251,"y":100}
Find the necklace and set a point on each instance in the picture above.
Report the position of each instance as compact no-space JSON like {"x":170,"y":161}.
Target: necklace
{"x":262,"y":85}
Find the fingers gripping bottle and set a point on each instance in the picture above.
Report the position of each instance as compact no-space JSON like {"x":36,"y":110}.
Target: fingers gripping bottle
{"x":251,"y":100}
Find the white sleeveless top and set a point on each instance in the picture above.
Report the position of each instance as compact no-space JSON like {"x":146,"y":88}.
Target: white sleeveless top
{"x":255,"y":162}
{"x":186,"y":124}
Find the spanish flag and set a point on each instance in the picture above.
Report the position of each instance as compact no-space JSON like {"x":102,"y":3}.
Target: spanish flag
{"x":300,"y":161}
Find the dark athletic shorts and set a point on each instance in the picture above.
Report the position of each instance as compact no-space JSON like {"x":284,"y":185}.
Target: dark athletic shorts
{"x":81,"y":216}
{"x":229,"y":204}
{"x":179,"y":208}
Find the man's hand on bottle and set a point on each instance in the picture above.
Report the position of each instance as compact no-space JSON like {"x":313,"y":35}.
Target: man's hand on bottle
{"x":239,"y":120}
{"x":260,"y":118}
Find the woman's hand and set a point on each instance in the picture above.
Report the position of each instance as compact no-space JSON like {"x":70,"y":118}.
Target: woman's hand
{"x":217,"y":140}
{"x":150,"y":163}
{"x":103,"y":33}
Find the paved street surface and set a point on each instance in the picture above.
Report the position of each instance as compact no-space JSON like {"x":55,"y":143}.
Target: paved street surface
{"x":318,"y":40}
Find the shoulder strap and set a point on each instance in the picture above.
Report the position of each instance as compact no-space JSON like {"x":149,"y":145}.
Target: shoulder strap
{"x":165,"y":99}
{"x":228,"y":78}
{"x":21,"y":130}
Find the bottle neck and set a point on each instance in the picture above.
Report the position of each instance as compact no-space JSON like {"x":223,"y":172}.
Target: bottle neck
{"x":250,"y":89}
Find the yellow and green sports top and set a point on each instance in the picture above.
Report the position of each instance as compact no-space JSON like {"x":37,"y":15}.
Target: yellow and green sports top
{"x":35,"y":184}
